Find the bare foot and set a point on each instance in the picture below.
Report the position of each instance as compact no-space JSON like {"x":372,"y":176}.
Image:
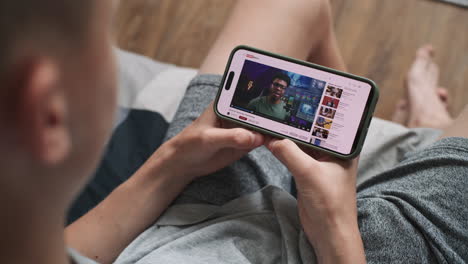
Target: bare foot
{"x":426,"y":103}
{"x":400,"y":115}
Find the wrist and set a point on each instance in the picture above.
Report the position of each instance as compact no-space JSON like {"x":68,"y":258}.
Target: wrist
{"x":330,"y":227}
{"x":335,"y":238}
{"x":340,"y":245}
{"x":165,"y":164}
{"x":320,"y":222}
{"x":160,"y":172}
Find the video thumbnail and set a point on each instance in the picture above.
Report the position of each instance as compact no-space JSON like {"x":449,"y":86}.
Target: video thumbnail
{"x":333,"y":91}
{"x":320,"y":133}
{"x":330,"y":102}
{"x":323,"y":122}
{"x":327,"y":112}
{"x":280,"y":95}
{"x":316,"y":141}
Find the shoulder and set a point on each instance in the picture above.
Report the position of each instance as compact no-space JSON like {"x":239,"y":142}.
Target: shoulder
{"x":256,"y":101}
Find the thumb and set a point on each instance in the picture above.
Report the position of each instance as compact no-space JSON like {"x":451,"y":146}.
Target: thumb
{"x":297,"y":161}
{"x":237,"y":138}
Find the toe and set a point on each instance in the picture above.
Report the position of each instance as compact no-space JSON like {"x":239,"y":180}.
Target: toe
{"x":426,"y":51}
{"x":443,"y":94}
{"x":424,"y":71}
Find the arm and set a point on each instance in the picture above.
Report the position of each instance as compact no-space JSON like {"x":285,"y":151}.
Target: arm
{"x":202,"y":148}
{"x":326,"y":202}
{"x":106,"y":230}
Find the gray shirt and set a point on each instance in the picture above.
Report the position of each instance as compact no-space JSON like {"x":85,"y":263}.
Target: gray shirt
{"x":414,"y":213}
{"x":262,"y":105}
{"x":262,"y":227}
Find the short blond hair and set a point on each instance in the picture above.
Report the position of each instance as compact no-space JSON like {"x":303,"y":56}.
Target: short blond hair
{"x":36,"y":20}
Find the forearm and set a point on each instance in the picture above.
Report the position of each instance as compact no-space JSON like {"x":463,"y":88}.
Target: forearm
{"x":107,"y":229}
{"x":336,"y":241}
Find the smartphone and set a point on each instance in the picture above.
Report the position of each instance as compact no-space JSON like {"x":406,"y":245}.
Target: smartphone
{"x":315,"y":106}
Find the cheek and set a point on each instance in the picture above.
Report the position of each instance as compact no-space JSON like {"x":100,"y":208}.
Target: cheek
{"x":107,"y":85}
{"x":98,"y":98}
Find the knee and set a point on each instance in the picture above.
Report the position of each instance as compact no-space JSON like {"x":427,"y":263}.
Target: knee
{"x":324,"y":13}
{"x":315,"y":14}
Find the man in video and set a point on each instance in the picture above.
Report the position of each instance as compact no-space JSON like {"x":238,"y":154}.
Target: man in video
{"x":271,"y":104}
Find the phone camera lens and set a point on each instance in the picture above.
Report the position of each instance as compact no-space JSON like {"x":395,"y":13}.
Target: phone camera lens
{"x":229,"y":81}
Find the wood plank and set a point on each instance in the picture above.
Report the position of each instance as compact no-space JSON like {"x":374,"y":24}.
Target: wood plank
{"x":379,"y":39}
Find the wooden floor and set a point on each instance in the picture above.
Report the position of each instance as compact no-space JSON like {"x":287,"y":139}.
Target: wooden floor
{"x":378,"y":38}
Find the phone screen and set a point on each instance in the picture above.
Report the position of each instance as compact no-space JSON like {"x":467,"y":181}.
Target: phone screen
{"x":314,"y":106}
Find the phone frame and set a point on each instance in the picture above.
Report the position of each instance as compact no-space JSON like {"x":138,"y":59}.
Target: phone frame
{"x":363,"y":125}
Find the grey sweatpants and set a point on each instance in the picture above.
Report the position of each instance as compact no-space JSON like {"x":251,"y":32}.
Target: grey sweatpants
{"x":385,"y":146}
{"x":412,"y":190}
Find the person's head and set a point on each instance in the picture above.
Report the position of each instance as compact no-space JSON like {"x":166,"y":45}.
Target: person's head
{"x":250,"y":85}
{"x":57,"y":95}
{"x":279,"y":83}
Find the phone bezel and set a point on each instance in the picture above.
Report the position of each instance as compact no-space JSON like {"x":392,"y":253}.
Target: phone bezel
{"x":365,"y":119}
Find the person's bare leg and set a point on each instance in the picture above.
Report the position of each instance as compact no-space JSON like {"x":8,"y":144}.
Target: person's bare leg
{"x":303,"y":30}
{"x":425,"y":104}
{"x":327,"y":53}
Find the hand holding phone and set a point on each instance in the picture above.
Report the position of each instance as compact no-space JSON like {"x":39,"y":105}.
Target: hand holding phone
{"x":312,"y":105}
{"x":204,"y":147}
{"x":326,"y":195}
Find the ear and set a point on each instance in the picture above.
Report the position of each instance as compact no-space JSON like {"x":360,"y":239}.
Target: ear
{"x":42,"y":114}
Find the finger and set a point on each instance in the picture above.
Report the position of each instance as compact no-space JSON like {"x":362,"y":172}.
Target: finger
{"x":208,"y":116}
{"x":297,"y":161}
{"x":237,"y":138}
{"x":227,"y":124}
{"x":268,"y":140}
{"x":314,"y":153}
{"x":210,"y":119}
{"x":348,"y":164}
